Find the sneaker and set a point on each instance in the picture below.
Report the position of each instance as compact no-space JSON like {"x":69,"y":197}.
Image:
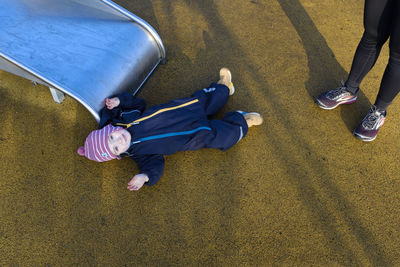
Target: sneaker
{"x":333,"y":98}
{"x":225,"y":78}
{"x":253,"y":119}
{"x":368,"y":129}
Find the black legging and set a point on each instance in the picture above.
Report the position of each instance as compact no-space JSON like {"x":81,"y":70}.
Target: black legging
{"x":381,"y":21}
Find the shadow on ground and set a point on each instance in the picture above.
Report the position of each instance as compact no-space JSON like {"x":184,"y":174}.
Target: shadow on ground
{"x":280,"y":197}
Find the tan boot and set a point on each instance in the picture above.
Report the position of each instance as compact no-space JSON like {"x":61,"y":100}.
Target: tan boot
{"x":253,"y":119}
{"x":225,"y":78}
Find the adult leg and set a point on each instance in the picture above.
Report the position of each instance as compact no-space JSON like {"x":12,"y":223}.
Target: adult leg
{"x":390,"y":84}
{"x":377,"y":24}
{"x":368,"y":129}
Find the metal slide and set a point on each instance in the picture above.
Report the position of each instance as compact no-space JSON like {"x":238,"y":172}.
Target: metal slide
{"x":87,"y":49}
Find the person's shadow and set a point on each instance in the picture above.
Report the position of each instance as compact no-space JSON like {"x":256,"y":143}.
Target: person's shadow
{"x":325,"y":71}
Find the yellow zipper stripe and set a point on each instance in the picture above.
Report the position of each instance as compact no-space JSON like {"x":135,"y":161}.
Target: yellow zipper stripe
{"x":158,"y":112}
{"x":167,"y":109}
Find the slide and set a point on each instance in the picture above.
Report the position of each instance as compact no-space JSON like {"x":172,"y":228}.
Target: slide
{"x":87,"y":49}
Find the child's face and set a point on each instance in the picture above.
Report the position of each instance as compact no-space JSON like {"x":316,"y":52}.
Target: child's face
{"x":119,"y":141}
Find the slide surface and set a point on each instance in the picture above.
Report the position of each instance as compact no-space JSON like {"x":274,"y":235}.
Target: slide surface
{"x":87,"y":49}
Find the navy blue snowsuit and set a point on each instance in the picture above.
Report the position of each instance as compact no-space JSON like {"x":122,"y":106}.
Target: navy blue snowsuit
{"x":179,"y":125}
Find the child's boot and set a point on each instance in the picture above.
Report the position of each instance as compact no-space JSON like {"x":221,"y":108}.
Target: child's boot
{"x":225,"y":78}
{"x":253,"y":119}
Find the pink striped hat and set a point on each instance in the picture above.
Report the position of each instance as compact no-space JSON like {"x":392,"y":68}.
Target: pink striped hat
{"x":96,"y":145}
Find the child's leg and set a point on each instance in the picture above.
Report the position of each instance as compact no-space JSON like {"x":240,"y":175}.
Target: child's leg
{"x":228,"y":131}
{"x":216,"y":95}
{"x":213,"y":98}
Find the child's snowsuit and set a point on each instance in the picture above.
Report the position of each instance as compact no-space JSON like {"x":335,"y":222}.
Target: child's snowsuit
{"x":179,"y":125}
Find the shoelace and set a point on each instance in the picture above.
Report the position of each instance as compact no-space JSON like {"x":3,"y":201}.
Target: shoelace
{"x":337,"y":92}
{"x":371,"y":119}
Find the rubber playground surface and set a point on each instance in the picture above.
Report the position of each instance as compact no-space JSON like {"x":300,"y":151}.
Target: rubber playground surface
{"x":298,"y":190}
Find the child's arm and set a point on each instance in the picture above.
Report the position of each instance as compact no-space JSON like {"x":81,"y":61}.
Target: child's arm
{"x":117,"y":104}
{"x":138,"y":181}
{"x":112,"y":102}
{"x":151,"y":166}
{"x":126,"y":101}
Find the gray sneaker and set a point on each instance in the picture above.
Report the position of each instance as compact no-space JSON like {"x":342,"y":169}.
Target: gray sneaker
{"x":368,"y":129}
{"x":333,"y":98}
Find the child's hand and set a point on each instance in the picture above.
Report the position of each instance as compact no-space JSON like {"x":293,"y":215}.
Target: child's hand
{"x":137,"y":182}
{"x":112,"y":102}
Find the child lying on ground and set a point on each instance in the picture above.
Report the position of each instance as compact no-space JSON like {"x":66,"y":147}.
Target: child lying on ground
{"x":127,"y":129}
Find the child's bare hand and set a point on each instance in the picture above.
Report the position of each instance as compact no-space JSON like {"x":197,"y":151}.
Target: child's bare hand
{"x":112,"y":102}
{"x":137,"y":182}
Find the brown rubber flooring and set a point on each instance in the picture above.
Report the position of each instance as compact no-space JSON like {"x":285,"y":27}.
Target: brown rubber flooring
{"x":299,"y":190}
